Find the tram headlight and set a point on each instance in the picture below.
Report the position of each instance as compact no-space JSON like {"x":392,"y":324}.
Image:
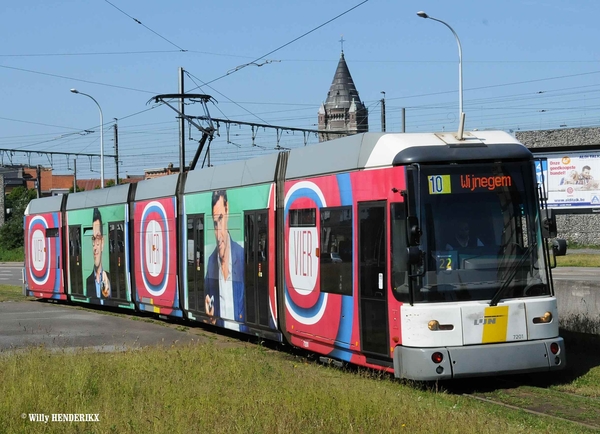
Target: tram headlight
{"x":544,"y":319}
{"x":433,"y":325}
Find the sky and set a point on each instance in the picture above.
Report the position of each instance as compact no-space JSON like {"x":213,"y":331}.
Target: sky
{"x":527,"y":65}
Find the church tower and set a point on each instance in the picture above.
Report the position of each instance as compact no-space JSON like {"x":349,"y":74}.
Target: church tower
{"x":343,"y":110}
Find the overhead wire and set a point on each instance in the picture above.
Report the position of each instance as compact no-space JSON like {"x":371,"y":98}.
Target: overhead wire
{"x":80,"y":80}
{"x":290,"y":42}
{"x":145,"y":26}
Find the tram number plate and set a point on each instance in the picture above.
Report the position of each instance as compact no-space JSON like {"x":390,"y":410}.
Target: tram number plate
{"x":439,"y":184}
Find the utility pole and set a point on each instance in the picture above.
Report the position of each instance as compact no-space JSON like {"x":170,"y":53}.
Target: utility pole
{"x":383,"y":112}
{"x":181,"y":123}
{"x":75,"y":175}
{"x":403,"y":120}
{"x":38,"y":175}
{"x":116,"y":152}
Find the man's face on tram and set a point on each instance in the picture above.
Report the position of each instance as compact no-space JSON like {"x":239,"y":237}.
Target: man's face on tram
{"x":220,"y":215}
{"x":97,"y":244}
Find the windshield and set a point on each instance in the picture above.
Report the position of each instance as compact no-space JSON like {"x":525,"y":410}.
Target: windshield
{"x":480,"y":233}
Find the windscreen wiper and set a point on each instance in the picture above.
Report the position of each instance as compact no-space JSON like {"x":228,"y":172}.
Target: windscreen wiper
{"x":513,"y":272}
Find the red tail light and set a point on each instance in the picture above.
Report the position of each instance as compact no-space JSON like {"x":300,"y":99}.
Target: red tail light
{"x":437,"y":357}
{"x":554,"y":348}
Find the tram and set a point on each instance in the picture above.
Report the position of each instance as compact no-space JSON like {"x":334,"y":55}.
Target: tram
{"x":422,"y":255}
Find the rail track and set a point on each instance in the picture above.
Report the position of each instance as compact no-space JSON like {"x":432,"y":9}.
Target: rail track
{"x":535,"y":397}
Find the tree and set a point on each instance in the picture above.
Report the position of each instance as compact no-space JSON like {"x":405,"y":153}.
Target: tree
{"x":11,"y":234}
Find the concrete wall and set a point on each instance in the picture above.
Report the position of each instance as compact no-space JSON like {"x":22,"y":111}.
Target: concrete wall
{"x":578,"y":305}
{"x":575,"y":228}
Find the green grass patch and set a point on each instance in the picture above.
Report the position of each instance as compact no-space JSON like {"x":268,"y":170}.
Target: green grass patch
{"x":578,"y":260}
{"x":12,"y":293}
{"x":244,"y":389}
{"x":582,"y":375}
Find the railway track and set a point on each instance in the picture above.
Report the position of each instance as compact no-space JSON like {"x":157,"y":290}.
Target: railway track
{"x":524,"y":395}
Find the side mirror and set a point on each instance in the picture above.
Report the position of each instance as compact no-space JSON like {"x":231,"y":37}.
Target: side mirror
{"x":559,"y":247}
{"x":549,"y":229}
{"x":415,"y":256}
{"x":414,"y":233}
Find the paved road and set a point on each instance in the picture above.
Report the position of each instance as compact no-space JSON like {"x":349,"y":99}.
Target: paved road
{"x":11,"y":273}
{"x":57,"y":326}
{"x":586,"y":274}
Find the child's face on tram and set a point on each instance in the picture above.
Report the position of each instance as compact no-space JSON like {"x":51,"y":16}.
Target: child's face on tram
{"x":220,"y":215}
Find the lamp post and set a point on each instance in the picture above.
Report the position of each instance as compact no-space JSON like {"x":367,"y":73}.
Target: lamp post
{"x":460,"y":79}
{"x":101,"y":136}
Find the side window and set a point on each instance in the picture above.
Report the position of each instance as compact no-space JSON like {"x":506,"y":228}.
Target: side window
{"x":399,"y":255}
{"x":336,"y":250}
{"x":303,"y":217}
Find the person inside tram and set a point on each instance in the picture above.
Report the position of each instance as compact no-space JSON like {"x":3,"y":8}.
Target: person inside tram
{"x":462,"y":237}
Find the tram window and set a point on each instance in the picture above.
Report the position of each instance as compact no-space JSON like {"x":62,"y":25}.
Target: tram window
{"x":336,"y":250}
{"x":399,"y":255}
{"x":52,"y":233}
{"x":303,"y":217}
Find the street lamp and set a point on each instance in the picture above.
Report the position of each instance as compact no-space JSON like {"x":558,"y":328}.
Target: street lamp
{"x":101,"y":136}
{"x":460,"y":80}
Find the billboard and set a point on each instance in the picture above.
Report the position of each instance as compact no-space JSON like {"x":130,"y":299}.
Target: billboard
{"x":572,"y":179}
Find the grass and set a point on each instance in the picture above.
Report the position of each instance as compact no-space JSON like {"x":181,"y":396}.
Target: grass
{"x":207,"y":388}
{"x":249,"y":389}
{"x":578,"y":260}
{"x":11,"y":293}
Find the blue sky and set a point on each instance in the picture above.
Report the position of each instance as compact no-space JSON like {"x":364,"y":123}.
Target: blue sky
{"x":526,"y":65}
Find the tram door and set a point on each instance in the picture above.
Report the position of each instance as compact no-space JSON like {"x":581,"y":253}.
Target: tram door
{"x":116,"y":259}
{"x":195,"y":262}
{"x":76,"y":275}
{"x":372,"y":278}
{"x":256,"y":244}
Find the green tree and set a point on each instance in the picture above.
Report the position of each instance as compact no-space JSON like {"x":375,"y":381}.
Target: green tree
{"x":11,"y":233}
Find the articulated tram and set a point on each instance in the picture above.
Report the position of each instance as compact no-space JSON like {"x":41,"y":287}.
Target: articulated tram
{"x":418,"y":254}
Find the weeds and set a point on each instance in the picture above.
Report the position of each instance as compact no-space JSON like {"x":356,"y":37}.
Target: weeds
{"x":581,"y":323}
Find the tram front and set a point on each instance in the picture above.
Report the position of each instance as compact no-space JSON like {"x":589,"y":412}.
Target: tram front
{"x":472,"y":271}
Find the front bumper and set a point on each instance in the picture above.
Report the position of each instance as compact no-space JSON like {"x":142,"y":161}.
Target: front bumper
{"x":479,"y":360}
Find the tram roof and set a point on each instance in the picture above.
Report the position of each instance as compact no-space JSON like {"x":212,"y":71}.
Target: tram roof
{"x":44,"y":205}
{"x":372,"y":150}
{"x":162,"y":186}
{"x":100,"y":197}
{"x":254,"y":171}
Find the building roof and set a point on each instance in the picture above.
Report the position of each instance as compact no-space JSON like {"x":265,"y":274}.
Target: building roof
{"x":342,"y":91}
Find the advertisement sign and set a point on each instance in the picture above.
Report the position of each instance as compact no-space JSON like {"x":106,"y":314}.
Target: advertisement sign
{"x":571,"y":179}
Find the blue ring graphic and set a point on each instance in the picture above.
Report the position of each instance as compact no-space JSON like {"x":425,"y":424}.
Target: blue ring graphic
{"x":306,"y":313}
{"x":165,"y":277}
{"x":44,"y":224}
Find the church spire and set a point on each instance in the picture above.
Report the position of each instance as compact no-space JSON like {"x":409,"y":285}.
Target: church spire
{"x":336,"y":114}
